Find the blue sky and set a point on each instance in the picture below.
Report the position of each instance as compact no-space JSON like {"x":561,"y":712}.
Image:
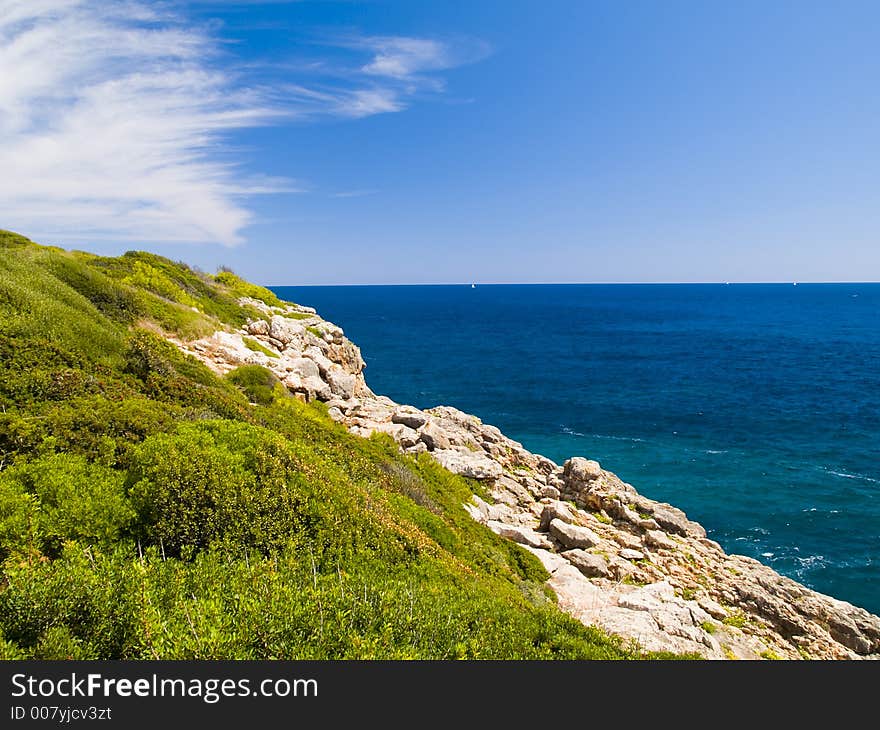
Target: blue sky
{"x":442,"y":141}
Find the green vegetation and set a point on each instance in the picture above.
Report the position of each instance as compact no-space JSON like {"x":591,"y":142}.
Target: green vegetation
{"x":241,"y":288}
{"x":258,"y":384}
{"x":708,"y":627}
{"x":257,"y":346}
{"x":736,"y":618}
{"x":152,"y":509}
{"x":771,"y":655}
{"x":316,"y":332}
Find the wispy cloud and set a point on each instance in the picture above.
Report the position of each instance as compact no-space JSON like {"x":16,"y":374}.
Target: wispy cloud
{"x":403,"y":58}
{"x":353,"y":193}
{"x":113,"y":117}
{"x":112,"y":123}
{"x":375,"y":74}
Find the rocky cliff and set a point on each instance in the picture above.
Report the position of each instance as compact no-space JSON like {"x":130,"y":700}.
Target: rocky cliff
{"x":636,"y":567}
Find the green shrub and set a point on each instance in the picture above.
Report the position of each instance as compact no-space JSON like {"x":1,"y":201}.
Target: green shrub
{"x":148,"y":277}
{"x":19,"y":514}
{"x":85,"y":604}
{"x":106,"y":430}
{"x":113,"y":299}
{"x":8,"y":239}
{"x":241,"y":288}
{"x":213,"y":481}
{"x":259,"y":384}
{"x":56,"y":642}
{"x":70,"y":499}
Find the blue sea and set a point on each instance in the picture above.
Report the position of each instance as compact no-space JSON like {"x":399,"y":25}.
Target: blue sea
{"x":753,"y":407}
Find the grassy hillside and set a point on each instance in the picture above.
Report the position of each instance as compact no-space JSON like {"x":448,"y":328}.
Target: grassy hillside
{"x":149,"y":510}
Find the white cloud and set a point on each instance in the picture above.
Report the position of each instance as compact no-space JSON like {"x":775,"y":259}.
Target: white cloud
{"x":366,"y":102}
{"x":113,"y":116}
{"x":402,"y":58}
{"x":111,"y":121}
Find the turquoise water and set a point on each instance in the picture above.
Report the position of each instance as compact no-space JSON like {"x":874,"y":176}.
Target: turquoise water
{"x":755,"y":408}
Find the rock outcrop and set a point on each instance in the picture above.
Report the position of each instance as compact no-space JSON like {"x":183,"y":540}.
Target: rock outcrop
{"x":636,"y":567}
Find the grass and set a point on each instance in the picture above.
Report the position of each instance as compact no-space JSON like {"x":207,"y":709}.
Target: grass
{"x":258,"y":346}
{"x":316,"y":332}
{"x":708,"y":627}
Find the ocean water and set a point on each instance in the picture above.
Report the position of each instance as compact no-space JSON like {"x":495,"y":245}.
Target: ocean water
{"x":753,"y":407}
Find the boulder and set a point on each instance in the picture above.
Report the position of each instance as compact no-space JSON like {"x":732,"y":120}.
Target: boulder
{"x":592,"y":566}
{"x":320,"y":359}
{"x":492,"y":434}
{"x":626,"y":539}
{"x":659,"y":539}
{"x":556,"y":510}
{"x":578,"y":472}
{"x":514,"y":487}
{"x":573,"y":536}
{"x":713,"y":608}
{"x":521,"y":535}
{"x":346,"y":354}
{"x":674,"y":520}
{"x":304,"y":367}
{"x":403,"y":435}
{"x":620,"y":568}
{"x":260,"y":327}
{"x":576,"y":593}
{"x":502,"y":512}
{"x":550,"y":560}
{"x":434,"y":437}
{"x":630,"y":554}
{"x":292,"y":382}
{"x":344,"y":405}
{"x":468,"y":464}
{"x":409,"y":417}
{"x":285,"y":330}
{"x":342,"y":384}
{"x":314,"y":388}
{"x":549,"y":492}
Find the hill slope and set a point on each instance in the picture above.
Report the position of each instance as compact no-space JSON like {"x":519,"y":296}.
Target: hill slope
{"x":151,"y":507}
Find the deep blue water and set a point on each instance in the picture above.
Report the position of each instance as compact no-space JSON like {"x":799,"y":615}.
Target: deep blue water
{"x":753,"y":407}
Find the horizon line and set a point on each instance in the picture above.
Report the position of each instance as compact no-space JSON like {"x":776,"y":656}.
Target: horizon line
{"x":591,"y":283}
